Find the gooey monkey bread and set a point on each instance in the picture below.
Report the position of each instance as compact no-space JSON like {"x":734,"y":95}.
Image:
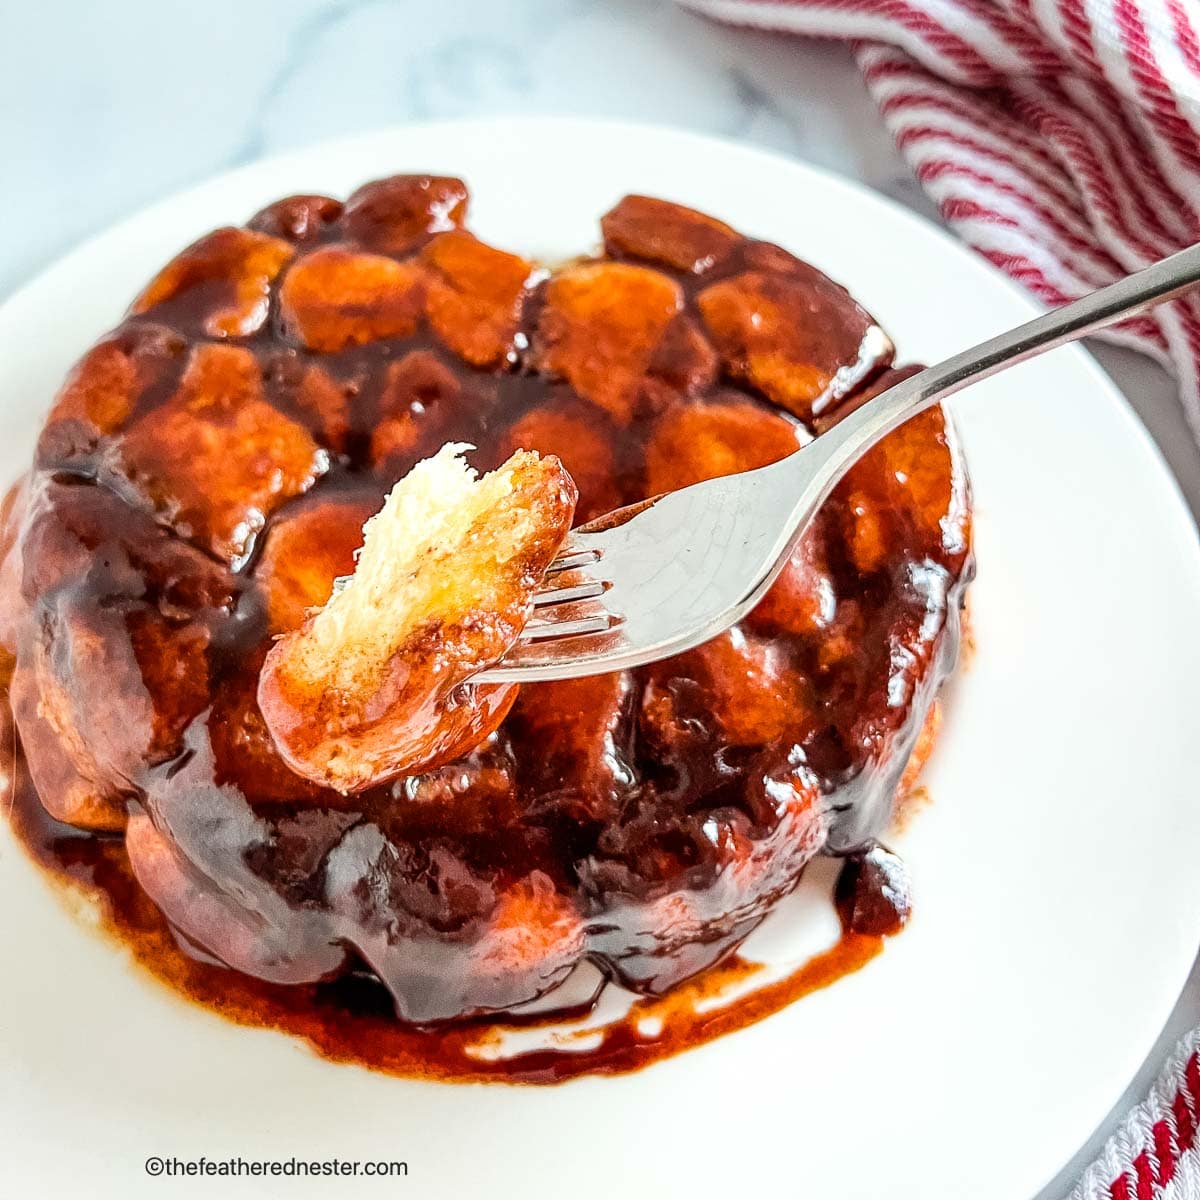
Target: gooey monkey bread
{"x":204,"y":478}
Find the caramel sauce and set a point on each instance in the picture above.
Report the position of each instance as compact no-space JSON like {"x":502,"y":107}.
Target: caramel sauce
{"x":350,"y":1020}
{"x":203,"y":478}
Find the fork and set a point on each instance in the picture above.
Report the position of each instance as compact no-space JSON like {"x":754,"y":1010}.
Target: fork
{"x":673,"y":572}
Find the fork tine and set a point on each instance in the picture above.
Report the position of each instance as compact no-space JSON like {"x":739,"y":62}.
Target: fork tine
{"x":540,"y":630}
{"x":588,"y":590}
{"x":572,"y":559}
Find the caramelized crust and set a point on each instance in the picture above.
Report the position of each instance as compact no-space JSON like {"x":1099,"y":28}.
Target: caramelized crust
{"x":666,"y":234}
{"x":475,"y":296}
{"x":584,"y":726}
{"x":583,"y":443}
{"x":375,"y":684}
{"x":690,"y":443}
{"x":103,"y":391}
{"x":769,"y":335}
{"x":67,"y":794}
{"x":117,"y":609}
{"x":397,"y":215}
{"x":421,"y":398}
{"x":13,"y":510}
{"x":309,"y":547}
{"x":216,"y":460}
{"x":235,"y":267}
{"x":335,"y":298}
{"x":202,"y":480}
{"x":599,"y":328}
{"x":297,"y":218}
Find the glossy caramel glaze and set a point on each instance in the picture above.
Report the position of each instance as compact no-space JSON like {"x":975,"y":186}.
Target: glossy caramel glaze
{"x":203,"y":478}
{"x":351,"y":1019}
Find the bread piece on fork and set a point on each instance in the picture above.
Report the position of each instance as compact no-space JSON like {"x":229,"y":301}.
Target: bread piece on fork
{"x":376,"y":683}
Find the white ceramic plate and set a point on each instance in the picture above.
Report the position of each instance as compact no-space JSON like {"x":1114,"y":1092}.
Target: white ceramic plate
{"x":1055,"y":871}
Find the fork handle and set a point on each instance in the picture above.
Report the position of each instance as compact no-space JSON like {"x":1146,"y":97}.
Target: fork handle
{"x":851,"y":437}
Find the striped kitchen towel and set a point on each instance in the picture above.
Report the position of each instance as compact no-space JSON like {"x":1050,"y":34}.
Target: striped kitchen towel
{"x":1060,"y":138}
{"x":1154,"y":1154}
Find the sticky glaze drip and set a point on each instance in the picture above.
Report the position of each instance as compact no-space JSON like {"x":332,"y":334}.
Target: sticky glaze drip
{"x":350,"y":1020}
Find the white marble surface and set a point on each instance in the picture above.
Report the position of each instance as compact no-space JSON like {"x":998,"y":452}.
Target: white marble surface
{"x":106,"y":107}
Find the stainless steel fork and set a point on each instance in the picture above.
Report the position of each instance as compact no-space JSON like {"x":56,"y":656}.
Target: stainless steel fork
{"x":688,"y":564}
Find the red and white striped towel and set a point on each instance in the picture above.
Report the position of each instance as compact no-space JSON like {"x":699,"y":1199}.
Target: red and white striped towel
{"x":1155,"y":1153}
{"x":1061,"y":139}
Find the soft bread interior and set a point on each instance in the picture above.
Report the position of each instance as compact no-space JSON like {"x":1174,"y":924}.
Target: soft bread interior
{"x":440,"y":551}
